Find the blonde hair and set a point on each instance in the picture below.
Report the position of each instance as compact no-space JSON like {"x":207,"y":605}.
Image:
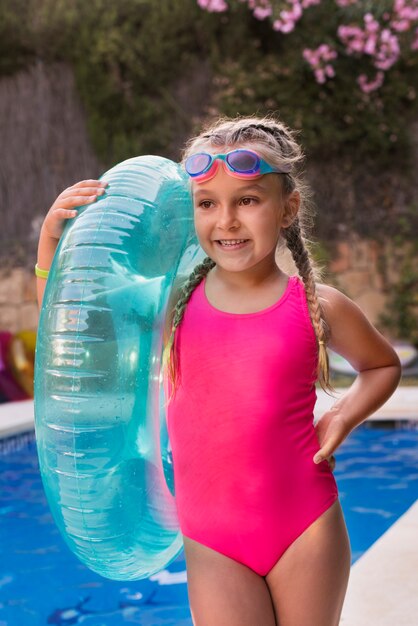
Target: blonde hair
{"x":277,"y":144}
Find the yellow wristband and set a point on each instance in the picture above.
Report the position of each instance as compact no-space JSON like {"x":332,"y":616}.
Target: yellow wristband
{"x":41,"y":273}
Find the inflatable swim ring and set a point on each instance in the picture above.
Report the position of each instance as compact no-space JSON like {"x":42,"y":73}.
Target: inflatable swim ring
{"x":100,"y":418}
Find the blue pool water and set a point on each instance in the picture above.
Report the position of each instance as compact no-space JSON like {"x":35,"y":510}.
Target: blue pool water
{"x":42,"y":582}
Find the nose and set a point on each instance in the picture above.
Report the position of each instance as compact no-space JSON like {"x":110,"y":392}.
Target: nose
{"x":226,"y":217}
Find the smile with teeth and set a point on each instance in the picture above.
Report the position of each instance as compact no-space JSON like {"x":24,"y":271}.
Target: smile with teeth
{"x":231,"y":242}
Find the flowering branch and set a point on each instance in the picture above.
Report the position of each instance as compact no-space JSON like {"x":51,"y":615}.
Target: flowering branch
{"x":378,"y":40}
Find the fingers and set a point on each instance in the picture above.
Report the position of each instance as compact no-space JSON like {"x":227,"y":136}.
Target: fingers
{"x":85,"y":188}
{"x":330,"y":460}
{"x":91,"y":182}
{"x":65,"y":213}
{"x":86,"y":191}
{"x":81,"y":193}
{"x":71,"y":201}
{"x":68,"y":203}
{"x":326,"y":450}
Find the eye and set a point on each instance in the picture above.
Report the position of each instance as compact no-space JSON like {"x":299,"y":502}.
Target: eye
{"x":205,"y":202}
{"x":243,"y":200}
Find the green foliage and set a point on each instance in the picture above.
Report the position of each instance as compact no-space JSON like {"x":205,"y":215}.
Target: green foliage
{"x":400,"y":316}
{"x":335,"y":117}
{"x":129,"y":56}
{"x":15,"y":46}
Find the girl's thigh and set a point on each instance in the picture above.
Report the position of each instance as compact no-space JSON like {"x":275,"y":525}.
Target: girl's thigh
{"x":224,"y":592}
{"x":309,"y":582}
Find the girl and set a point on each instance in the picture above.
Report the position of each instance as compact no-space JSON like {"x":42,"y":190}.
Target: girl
{"x":264,"y":533}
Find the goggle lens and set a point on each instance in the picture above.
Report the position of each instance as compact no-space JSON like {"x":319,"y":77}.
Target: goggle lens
{"x":197,"y":163}
{"x":244,"y":162}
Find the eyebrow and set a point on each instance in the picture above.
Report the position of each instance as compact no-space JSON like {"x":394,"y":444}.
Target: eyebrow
{"x":244,"y":188}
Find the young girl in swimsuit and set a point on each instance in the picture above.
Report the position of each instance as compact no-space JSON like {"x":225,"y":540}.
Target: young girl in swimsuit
{"x":264,"y":534}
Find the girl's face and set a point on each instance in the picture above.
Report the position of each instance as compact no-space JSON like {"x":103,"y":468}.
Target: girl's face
{"x":226,"y":207}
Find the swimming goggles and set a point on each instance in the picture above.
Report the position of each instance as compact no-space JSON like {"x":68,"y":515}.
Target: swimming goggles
{"x":240,"y":163}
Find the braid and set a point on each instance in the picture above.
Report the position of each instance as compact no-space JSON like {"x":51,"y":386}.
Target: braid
{"x":169,"y":354}
{"x":280,"y":135}
{"x":304,"y":263}
{"x":276,"y":131}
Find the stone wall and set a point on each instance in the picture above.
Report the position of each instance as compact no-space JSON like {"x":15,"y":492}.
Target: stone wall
{"x":356,"y":270}
{"x":356,"y":273}
{"x":18,"y":307}
{"x":367,"y":272}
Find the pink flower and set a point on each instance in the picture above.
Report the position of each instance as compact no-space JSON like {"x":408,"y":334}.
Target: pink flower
{"x":320,"y":76}
{"x":260,"y":8}
{"x":318,"y":58}
{"x":213,"y":6}
{"x":288,"y":17}
{"x":372,"y":26}
{"x":372,"y":85}
{"x":400,"y":25}
{"x":370,"y":45}
{"x":379,"y":43}
{"x":261,"y":13}
{"x":406,"y":9}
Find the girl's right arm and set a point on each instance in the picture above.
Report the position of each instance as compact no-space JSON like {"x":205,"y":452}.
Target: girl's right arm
{"x":64,"y":207}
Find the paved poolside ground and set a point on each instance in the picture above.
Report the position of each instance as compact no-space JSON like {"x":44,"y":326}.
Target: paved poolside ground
{"x":383,"y":587}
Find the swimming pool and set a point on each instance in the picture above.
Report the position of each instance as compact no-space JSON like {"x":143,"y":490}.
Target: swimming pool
{"x":42,"y":582}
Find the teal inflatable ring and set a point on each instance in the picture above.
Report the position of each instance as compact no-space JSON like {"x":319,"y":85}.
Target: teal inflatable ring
{"x":100,"y":416}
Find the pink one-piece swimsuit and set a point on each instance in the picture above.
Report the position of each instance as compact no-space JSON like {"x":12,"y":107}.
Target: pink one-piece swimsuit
{"x":241,"y":428}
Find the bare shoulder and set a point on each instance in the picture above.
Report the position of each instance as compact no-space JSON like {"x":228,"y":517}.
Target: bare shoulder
{"x":352,"y":334}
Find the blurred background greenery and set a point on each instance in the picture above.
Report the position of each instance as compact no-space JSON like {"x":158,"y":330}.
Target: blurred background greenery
{"x":138,"y":62}
{"x":148,"y":73}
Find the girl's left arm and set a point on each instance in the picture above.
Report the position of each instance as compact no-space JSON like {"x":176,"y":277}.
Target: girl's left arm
{"x":378,"y":366}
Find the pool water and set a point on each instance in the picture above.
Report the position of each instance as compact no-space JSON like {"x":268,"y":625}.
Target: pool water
{"x":42,"y":582}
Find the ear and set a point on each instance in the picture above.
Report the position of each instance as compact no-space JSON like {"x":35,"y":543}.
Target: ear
{"x":291,"y":208}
